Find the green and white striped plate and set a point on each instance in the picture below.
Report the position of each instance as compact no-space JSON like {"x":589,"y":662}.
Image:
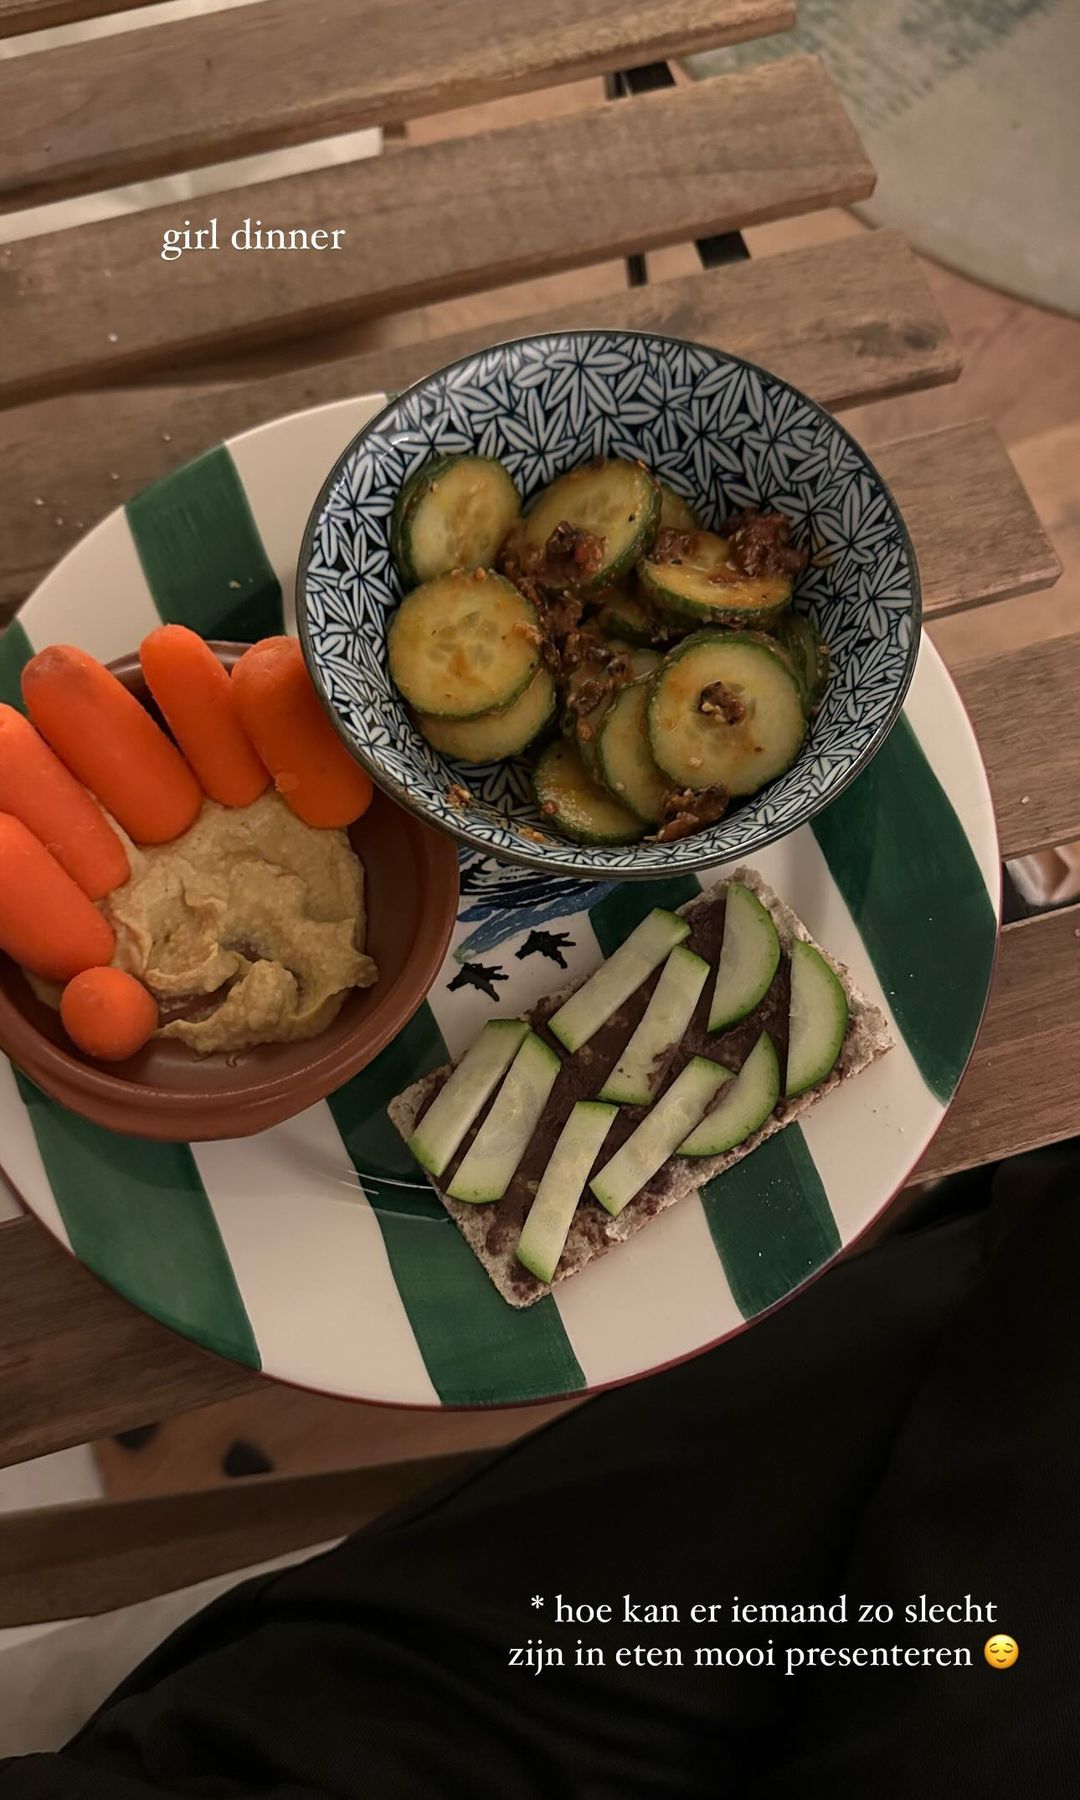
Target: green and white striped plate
{"x":313,"y":1251}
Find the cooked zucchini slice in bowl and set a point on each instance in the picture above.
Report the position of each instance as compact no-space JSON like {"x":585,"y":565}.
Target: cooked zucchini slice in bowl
{"x":571,"y":802}
{"x":507,"y":732}
{"x":676,"y":514}
{"x":464,"y":644}
{"x":810,"y":655}
{"x":624,"y":758}
{"x":727,"y":709}
{"x":612,"y":510}
{"x":454,"y":513}
{"x":704,"y":586}
{"x":624,"y":618}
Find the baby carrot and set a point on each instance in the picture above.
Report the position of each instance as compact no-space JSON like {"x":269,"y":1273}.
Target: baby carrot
{"x":36,"y":788}
{"x":313,"y":772}
{"x":46,"y":922}
{"x":108,"y":1013}
{"x":111,"y":744}
{"x":195,"y":694}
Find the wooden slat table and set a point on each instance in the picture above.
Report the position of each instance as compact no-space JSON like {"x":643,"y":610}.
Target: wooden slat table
{"x":98,"y":332}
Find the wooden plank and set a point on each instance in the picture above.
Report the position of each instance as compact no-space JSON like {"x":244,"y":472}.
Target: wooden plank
{"x":1021,"y":1088}
{"x":66,"y":1562}
{"x":846,"y":322}
{"x":202,"y":90}
{"x":952,"y":482}
{"x":20,"y":16}
{"x":76,"y":1362}
{"x":1025,"y":710}
{"x":446,"y":218}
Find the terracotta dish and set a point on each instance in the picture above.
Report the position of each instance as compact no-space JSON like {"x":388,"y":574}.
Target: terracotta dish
{"x":168,"y":1092}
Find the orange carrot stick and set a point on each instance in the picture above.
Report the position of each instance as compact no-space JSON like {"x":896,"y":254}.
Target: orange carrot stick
{"x":36,"y":788}
{"x":111,"y":744}
{"x":46,"y":922}
{"x":195,"y":694}
{"x":313,"y":772}
{"x":108,"y":1013}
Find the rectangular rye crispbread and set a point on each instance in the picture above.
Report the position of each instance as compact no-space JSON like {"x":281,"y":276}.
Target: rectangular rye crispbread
{"x":492,"y":1230}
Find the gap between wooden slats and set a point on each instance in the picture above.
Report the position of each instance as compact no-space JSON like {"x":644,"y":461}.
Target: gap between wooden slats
{"x":447,"y":218}
{"x":17,"y":17}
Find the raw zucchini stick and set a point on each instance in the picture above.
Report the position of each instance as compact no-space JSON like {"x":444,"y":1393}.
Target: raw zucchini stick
{"x":659,"y":1134}
{"x":817,"y":1021}
{"x":489,"y":1163}
{"x":749,"y":958}
{"x":544,"y":1234}
{"x":616,"y":979}
{"x":471,"y":1085}
{"x":667,"y":1016}
{"x":743,"y":1107}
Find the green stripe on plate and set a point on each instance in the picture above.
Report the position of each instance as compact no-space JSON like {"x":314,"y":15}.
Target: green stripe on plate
{"x":202,"y":554}
{"x":614,"y":917}
{"x":137,"y":1214}
{"x":15,"y":652}
{"x":476,"y":1348}
{"x":770,"y":1221}
{"x":916,"y":893}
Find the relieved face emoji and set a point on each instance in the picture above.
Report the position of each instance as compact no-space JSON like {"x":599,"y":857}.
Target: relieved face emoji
{"x":1001,"y":1651}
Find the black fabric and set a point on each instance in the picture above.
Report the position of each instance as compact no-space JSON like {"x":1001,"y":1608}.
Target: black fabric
{"x":908,"y":1426}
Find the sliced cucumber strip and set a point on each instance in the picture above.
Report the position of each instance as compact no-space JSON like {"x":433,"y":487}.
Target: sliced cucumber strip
{"x":669,"y":1012}
{"x":550,"y":1216}
{"x":454,"y":513}
{"x":467,"y":1090}
{"x":726,"y":708}
{"x":625,"y":619}
{"x":617,"y":978}
{"x":624,"y":758}
{"x":659,"y":1134}
{"x":676,"y":514}
{"x":488,"y":1165}
{"x":810,"y":656}
{"x":817,"y":1021}
{"x":464,"y":644}
{"x":743,"y":1107}
{"x":495,"y":734}
{"x":570,"y":800}
{"x":705,"y":587}
{"x":617,"y":503}
{"x":749,"y":958}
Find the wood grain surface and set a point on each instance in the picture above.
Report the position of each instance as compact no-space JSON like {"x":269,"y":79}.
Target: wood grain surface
{"x":97,"y":301}
{"x":204,"y":89}
{"x":77,"y":1362}
{"x":1025,"y":710}
{"x":19,"y":16}
{"x":846,"y":322}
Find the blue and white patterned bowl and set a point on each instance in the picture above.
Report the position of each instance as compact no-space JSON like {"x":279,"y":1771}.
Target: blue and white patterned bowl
{"x":717,"y":429}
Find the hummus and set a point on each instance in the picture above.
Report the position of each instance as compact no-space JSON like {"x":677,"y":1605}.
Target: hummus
{"x":249,"y":929}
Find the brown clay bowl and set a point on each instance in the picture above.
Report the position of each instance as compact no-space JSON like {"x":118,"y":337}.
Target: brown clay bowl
{"x":168,"y":1092}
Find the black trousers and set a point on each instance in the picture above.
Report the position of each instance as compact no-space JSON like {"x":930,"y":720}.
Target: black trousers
{"x":909,"y":1427}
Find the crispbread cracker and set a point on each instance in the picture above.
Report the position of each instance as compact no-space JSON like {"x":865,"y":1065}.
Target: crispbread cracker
{"x":867,"y":1038}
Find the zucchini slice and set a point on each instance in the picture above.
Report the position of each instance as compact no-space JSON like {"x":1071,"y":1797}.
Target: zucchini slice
{"x":659,"y":1134}
{"x":749,"y":958}
{"x":615,"y":502}
{"x":625,"y":619}
{"x":705,"y":588}
{"x":756,"y":725}
{"x":624,"y":758}
{"x":551,"y":1214}
{"x":616,"y":979}
{"x":817,"y":1020}
{"x":495,"y":734}
{"x":570,"y":800}
{"x":669,"y":1012}
{"x":471,"y":1085}
{"x":464,"y":644}
{"x":809,"y":654}
{"x":743,"y":1107}
{"x":488,"y":1165}
{"x":676,"y":514}
{"x":453,"y":513}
